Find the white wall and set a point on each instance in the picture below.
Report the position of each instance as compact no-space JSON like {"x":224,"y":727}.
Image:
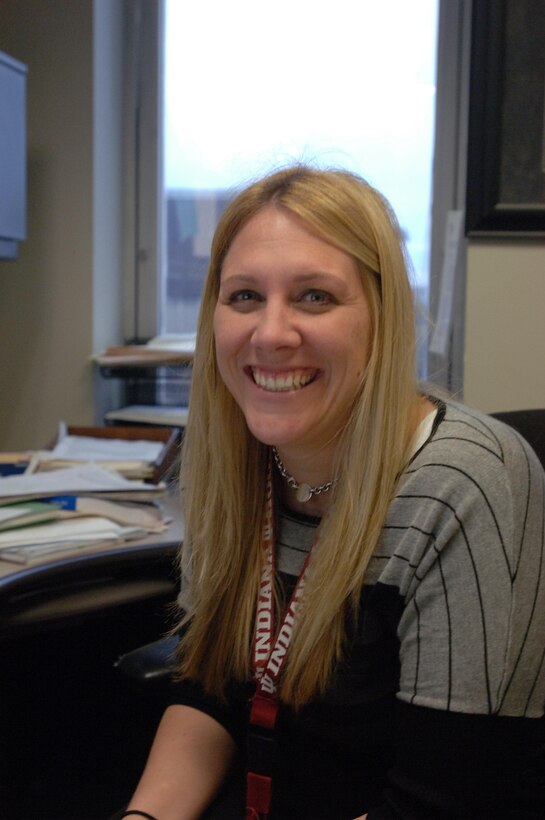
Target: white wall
{"x":505,"y":325}
{"x":60,"y":300}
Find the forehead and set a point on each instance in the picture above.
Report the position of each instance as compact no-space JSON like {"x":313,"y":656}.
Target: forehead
{"x":275,"y":236}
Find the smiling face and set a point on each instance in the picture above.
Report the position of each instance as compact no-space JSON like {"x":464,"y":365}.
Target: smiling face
{"x":292,"y":330}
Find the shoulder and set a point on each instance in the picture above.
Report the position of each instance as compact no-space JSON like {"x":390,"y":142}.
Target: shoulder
{"x":470,"y":452}
{"x":462,"y":546}
{"x":475,"y":488}
{"x":462,"y":432}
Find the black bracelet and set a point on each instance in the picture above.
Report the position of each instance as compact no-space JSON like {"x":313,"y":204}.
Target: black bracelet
{"x":139,"y":813}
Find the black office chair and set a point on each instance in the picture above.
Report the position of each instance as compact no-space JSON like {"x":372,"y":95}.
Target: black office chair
{"x":530,"y":424}
{"x":150,"y":666}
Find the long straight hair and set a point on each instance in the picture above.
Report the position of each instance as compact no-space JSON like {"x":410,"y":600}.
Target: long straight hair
{"x":224,"y":467}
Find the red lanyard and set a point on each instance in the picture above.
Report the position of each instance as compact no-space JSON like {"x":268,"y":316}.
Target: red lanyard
{"x":268,"y":660}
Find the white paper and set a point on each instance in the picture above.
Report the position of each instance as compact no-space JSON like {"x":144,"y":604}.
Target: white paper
{"x":71,"y":530}
{"x":31,"y":552}
{"x":174,"y":342}
{"x":453,"y":235}
{"x":174,"y":415}
{"x":83,"y":478}
{"x":9,"y":512}
{"x":88,"y":448}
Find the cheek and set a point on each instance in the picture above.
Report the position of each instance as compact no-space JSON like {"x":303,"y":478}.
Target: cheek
{"x":231,"y":334}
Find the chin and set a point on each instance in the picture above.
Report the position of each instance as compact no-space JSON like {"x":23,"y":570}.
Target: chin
{"x":269,"y":439}
{"x":272,"y":435}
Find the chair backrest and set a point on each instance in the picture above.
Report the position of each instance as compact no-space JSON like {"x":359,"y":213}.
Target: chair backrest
{"x":530,"y":424}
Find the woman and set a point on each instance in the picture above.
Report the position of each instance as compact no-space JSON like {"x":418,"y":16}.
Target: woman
{"x":394,"y":542}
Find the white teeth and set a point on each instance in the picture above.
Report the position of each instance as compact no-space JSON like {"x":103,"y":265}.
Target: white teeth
{"x":291,"y":381}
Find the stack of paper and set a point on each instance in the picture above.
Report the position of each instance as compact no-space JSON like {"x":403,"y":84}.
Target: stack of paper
{"x":22,"y":515}
{"x":74,"y":507}
{"x":131,"y":458}
{"x":82,"y":479}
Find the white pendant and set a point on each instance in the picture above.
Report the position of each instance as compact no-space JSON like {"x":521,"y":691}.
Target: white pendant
{"x":303,"y":493}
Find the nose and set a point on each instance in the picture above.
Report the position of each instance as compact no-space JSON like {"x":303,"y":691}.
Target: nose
{"x":275,"y":327}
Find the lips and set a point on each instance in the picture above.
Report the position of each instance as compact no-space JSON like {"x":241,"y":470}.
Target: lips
{"x":282,"y":382}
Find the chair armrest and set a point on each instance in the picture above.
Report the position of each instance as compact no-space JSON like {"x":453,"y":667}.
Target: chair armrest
{"x":151,"y":663}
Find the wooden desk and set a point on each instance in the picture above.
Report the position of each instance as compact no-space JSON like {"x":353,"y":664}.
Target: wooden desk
{"x":92,"y":581}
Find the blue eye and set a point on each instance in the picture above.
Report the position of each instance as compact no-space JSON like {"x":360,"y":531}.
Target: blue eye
{"x":243,"y":300}
{"x":240,"y":296}
{"x":317,"y":297}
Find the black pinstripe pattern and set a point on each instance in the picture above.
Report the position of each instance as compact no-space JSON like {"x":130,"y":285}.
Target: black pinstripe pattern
{"x":467,"y":521}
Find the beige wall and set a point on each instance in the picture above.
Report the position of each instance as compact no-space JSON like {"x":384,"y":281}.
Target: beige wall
{"x":59,"y":300}
{"x":505,"y":325}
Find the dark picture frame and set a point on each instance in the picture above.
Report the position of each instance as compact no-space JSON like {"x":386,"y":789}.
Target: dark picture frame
{"x":505,"y":192}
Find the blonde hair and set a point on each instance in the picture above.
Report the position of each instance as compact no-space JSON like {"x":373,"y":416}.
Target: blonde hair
{"x":224,"y":466}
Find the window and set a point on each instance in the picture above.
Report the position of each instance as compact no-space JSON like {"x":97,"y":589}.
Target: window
{"x":243,"y":87}
{"x":250,"y":86}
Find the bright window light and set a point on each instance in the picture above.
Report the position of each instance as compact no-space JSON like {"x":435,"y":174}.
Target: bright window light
{"x":252,"y":86}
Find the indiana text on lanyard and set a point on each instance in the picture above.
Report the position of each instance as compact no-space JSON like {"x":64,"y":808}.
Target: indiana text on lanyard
{"x":268,"y":662}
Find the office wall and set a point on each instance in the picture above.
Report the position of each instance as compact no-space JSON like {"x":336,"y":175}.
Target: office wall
{"x":60,"y":300}
{"x":504,"y":365}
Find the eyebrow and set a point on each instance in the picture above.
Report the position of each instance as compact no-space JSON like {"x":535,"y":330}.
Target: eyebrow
{"x":303,"y":278}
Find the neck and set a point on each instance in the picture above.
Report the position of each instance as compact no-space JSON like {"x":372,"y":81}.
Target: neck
{"x":317,"y":506}
{"x":304,"y":483}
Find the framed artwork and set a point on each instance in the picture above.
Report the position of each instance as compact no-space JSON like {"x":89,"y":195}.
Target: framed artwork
{"x":505,"y":191}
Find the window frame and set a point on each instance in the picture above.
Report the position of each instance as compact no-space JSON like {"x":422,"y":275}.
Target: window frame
{"x":449,"y":181}
{"x":143,"y":169}
{"x":144,"y":67}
